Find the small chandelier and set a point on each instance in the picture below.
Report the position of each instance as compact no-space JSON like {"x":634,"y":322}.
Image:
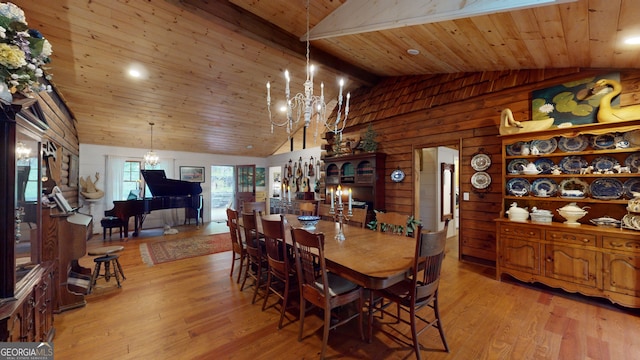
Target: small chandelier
{"x":150,"y":158}
{"x":22,"y":151}
{"x":307,"y":105}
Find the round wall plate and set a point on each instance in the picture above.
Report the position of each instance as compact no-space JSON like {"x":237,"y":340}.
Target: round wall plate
{"x":397,"y":175}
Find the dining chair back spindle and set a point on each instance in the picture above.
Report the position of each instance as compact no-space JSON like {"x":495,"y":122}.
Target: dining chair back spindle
{"x":257,"y":260}
{"x":324,"y":290}
{"x":359,"y":216}
{"x":308,"y":208}
{"x":324,"y":211}
{"x":258,"y":206}
{"x":239,"y":251}
{"x":281,"y":279}
{"x":392,"y":222}
{"x":420,"y":289}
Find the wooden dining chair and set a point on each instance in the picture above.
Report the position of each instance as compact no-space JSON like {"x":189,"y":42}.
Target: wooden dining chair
{"x":324,"y":211}
{"x":239,"y":251}
{"x":281,"y":279}
{"x":308,"y":208}
{"x":258,"y":206}
{"x":392,"y":222}
{"x":326,"y":290}
{"x":257,"y":260}
{"x":420,"y":289}
{"x":359,"y":216}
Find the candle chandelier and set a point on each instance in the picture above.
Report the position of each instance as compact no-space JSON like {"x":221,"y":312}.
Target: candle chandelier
{"x":308,"y":106}
{"x":150,"y":158}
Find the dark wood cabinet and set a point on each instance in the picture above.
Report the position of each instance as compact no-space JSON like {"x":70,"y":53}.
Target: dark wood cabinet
{"x":362,"y":173}
{"x":27,"y":288}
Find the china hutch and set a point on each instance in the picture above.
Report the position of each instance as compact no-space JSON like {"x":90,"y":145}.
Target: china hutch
{"x":595,"y":166}
{"x":362,"y":173}
{"x":26,"y":276}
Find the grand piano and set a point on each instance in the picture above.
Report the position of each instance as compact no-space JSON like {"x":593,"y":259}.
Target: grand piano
{"x":166,"y":194}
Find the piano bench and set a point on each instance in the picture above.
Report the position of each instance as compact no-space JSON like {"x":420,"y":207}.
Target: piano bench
{"x":111,"y":222}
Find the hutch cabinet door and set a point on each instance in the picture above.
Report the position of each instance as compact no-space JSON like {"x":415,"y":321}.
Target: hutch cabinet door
{"x":575,"y":265}
{"x":621,"y":273}
{"x":520,"y":255}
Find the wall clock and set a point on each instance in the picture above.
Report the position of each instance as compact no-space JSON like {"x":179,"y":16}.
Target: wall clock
{"x":397,"y":175}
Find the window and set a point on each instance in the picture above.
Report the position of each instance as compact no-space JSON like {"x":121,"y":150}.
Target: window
{"x":131,"y":179}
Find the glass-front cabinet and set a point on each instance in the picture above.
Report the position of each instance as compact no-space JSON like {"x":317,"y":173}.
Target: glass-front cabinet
{"x":27,"y":200}
{"x":363,"y":174}
{"x":26,"y":281}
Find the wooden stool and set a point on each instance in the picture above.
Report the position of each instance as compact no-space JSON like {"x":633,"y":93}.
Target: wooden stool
{"x":107,"y":256}
{"x":111,"y":222}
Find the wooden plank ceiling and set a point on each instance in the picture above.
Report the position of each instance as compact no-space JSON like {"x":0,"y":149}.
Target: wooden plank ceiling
{"x":207,"y":61}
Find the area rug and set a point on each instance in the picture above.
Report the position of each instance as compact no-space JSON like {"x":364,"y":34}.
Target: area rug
{"x":163,"y":251}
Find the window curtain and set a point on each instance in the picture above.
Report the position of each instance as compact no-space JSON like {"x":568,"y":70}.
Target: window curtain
{"x":114,"y":178}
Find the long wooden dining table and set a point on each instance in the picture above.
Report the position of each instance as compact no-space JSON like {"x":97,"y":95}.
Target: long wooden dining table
{"x":371,"y":259}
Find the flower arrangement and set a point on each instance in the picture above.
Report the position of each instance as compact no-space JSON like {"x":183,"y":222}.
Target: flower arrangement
{"x":23,"y":52}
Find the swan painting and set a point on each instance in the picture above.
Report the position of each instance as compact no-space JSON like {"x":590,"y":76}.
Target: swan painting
{"x":608,"y":114}
{"x":508,"y":125}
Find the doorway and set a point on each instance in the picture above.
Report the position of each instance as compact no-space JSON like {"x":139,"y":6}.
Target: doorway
{"x":429,"y":187}
{"x":222,"y":191}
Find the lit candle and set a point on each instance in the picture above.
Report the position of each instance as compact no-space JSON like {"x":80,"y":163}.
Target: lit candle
{"x":322,"y":91}
{"x":339,"y":193}
{"x":346,"y":109}
{"x":268,"y":94}
{"x":286,"y":75}
{"x":349,"y":200}
{"x":289,"y":192}
{"x":332,"y":199}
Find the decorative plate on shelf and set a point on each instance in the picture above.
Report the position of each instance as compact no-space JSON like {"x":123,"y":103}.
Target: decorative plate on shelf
{"x":606,"y":189}
{"x":633,"y":162}
{"x":518,"y":187}
{"x":481,"y":180}
{"x":573,"y":188}
{"x":545,"y":146}
{"x":544,"y":165}
{"x":515,"y":166}
{"x":630,"y":186}
{"x":572,"y":144}
{"x":480,"y":162}
{"x":604,"y":163}
{"x":604,"y":141}
{"x":544,"y":187}
{"x":573,"y":164}
{"x":397,"y":175}
{"x":515,"y":148}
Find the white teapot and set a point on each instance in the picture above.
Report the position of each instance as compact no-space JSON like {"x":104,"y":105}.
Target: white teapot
{"x":530,"y":169}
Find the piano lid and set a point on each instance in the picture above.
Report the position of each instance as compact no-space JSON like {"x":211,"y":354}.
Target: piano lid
{"x":161,"y":186}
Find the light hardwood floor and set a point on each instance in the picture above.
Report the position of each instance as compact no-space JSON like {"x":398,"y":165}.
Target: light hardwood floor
{"x":192,"y":309}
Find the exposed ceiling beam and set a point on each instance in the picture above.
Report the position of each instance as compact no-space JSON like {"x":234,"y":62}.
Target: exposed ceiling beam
{"x":247,"y":24}
{"x":361,"y":16}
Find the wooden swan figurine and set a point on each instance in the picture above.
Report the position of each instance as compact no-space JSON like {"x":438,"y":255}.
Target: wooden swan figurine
{"x":608,"y":114}
{"x":508,"y":125}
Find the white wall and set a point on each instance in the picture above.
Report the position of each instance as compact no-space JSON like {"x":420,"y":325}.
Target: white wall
{"x":93,"y":160}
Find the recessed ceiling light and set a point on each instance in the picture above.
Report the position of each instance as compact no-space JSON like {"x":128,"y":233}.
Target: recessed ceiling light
{"x":137,"y":71}
{"x":635,"y":40}
{"x":413,"y":52}
{"x":249,"y":146}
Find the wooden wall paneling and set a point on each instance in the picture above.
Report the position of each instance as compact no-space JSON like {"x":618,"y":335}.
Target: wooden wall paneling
{"x":475,"y":120}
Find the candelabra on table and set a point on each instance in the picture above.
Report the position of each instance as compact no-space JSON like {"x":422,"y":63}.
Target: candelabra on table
{"x":338,"y":212}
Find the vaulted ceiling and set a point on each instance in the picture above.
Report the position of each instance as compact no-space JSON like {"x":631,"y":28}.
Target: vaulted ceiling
{"x":205,"y":63}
